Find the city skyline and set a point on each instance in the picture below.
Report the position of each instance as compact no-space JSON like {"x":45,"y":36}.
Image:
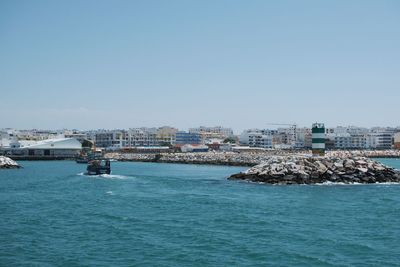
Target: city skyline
{"x":272,"y":127}
{"x":99,"y":64}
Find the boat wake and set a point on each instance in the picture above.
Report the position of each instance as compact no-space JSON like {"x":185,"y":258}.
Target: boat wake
{"x":107,"y":176}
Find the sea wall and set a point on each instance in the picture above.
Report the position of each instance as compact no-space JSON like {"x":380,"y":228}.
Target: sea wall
{"x":389,"y":153}
{"x":7,"y":163}
{"x":242,"y":158}
{"x":312,"y":170}
{"x":215,"y":158}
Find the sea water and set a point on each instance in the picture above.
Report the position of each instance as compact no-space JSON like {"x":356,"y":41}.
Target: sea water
{"x":149,"y":214}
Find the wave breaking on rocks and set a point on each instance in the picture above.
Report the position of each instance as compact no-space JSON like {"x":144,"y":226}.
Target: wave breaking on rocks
{"x":317,"y":170}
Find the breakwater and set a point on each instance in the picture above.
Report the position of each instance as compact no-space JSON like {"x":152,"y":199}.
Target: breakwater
{"x":242,"y":158}
{"x":7,"y":163}
{"x":312,"y":170}
{"x":213,"y":158}
{"x":388,"y":153}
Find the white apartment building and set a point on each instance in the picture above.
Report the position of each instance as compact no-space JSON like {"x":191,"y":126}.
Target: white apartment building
{"x":257,"y":138}
{"x":142,"y":137}
{"x":212,"y":132}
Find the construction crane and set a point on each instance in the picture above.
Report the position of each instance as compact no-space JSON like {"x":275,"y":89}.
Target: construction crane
{"x":293,"y":127}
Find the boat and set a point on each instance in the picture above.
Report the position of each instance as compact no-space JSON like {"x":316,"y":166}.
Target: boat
{"x":89,"y":154}
{"x":98,"y":167}
{"x":82,"y":159}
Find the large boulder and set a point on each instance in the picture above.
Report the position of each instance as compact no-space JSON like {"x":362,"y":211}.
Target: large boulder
{"x":7,"y":163}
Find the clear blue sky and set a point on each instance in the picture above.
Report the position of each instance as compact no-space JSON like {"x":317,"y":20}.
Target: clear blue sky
{"x":240,"y":64}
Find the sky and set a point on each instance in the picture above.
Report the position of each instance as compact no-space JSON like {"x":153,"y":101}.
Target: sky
{"x":240,"y":64}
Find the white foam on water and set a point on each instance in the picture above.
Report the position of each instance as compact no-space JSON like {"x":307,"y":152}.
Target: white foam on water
{"x":106,"y":176}
{"x":113,"y":176}
{"x":338,"y":183}
{"x":110,"y":193}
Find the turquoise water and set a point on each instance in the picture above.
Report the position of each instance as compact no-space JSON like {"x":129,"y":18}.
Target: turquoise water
{"x":147,"y":214}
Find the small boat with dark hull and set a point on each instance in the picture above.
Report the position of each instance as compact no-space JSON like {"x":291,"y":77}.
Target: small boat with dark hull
{"x":98,"y":167}
{"x":82,"y":159}
{"x":88,"y":155}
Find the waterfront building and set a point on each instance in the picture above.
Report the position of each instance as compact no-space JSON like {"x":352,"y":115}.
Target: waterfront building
{"x":359,"y":141}
{"x":143,"y":137}
{"x":257,"y":138}
{"x":381,"y":140}
{"x":50,"y":148}
{"x":134,"y":137}
{"x":214,"y":144}
{"x":115,"y":139}
{"x":341,"y":130}
{"x":260,"y":140}
{"x":308,"y":140}
{"x":166,"y":135}
{"x":183,"y":138}
{"x":303,"y":137}
{"x":280,"y":140}
{"x":103,"y":139}
{"x":343,"y":141}
{"x":244,"y":137}
{"x":194,"y":148}
{"x":6,"y":138}
{"x":212,"y":132}
{"x":329,"y":142}
{"x":288,"y":135}
{"x":397,"y":140}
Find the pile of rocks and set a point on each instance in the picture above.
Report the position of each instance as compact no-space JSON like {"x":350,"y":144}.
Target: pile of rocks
{"x":7,"y":163}
{"x":244,"y":158}
{"x":216,"y":158}
{"x":389,"y":153}
{"x":311,"y":170}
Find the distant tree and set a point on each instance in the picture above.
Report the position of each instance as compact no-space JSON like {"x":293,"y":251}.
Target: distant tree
{"x":230,"y":140}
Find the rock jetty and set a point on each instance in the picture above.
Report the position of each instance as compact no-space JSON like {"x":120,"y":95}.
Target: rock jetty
{"x":242,"y":158}
{"x":214,"y":158}
{"x":313,"y":170}
{"x":7,"y":163}
{"x":389,"y":153}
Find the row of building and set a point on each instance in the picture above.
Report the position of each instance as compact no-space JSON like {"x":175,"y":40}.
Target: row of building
{"x":17,"y":142}
{"x":163,"y":136}
{"x":201,"y":139}
{"x":335,"y":138}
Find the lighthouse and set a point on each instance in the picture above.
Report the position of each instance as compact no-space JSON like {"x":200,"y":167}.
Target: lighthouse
{"x":318,"y":139}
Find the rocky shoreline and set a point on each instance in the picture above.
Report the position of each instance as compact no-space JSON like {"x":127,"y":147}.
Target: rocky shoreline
{"x":314,"y":170}
{"x":7,"y":163}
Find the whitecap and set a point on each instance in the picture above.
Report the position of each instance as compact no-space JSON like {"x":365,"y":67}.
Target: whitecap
{"x":338,"y":183}
{"x":107,"y":176}
{"x":114,"y":176}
